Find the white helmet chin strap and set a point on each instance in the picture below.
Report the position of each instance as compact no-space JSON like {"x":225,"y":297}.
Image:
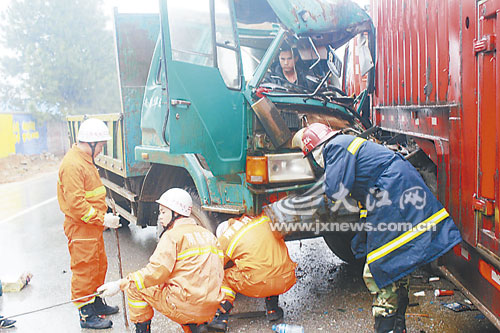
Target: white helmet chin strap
{"x":92,"y":150}
{"x":174,"y":217}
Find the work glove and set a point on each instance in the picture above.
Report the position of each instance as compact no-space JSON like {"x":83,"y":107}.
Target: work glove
{"x":109,"y":289}
{"x":112,"y":221}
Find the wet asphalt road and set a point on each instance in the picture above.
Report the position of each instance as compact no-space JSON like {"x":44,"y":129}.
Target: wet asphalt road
{"x":329,"y":296}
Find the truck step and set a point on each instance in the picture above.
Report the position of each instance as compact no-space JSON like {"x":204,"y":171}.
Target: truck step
{"x":123,"y":212}
{"x":225,"y":209}
{"x":119,"y":190}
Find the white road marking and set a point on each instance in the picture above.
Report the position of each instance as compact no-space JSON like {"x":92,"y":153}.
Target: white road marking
{"x":29,"y":209}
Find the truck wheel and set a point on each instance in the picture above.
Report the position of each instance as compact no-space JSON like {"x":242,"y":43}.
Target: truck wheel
{"x":340,"y":244}
{"x":203,"y":218}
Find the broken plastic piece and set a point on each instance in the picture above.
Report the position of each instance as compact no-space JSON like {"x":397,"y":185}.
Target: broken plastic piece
{"x":457,"y":307}
{"x":16,"y":285}
{"x":419,"y":293}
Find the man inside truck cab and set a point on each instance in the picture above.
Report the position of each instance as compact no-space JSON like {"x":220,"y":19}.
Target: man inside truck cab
{"x":257,"y":264}
{"x":289,"y":70}
{"x":184,"y":275}
{"x":408,"y":226}
{"x":81,"y":196}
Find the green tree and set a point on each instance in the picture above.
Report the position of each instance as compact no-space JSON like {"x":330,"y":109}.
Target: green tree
{"x":62,"y":60}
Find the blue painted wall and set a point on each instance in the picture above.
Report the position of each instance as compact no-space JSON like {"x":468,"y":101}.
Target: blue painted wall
{"x":28,"y":136}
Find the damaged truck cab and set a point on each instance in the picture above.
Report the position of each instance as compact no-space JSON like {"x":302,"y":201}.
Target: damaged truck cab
{"x":197,"y":112}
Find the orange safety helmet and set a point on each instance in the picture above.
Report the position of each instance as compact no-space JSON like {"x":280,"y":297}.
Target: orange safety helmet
{"x":314,"y":135}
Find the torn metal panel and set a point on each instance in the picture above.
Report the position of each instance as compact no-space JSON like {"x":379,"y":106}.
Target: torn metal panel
{"x":338,"y":20}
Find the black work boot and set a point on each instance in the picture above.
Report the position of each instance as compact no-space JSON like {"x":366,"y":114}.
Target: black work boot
{"x":273,"y":311}
{"x":384,"y":324}
{"x":144,"y":327}
{"x":403,"y":300}
{"x":195,"y":328}
{"x":219,"y":323}
{"x":101,"y":308}
{"x":89,"y":318}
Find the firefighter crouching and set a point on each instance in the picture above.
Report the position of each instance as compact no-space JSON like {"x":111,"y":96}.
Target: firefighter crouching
{"x":184,"y":275}
{"x":387,"y":185}
{"x":257,"y":265}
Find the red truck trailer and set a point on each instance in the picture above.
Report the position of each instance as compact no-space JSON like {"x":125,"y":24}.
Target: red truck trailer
{"x":438,"y":85}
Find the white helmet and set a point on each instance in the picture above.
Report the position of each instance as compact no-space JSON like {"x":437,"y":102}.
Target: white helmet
{"x":221,"y":228}
{"x":177,"y":200}
{"x":93,"y":130}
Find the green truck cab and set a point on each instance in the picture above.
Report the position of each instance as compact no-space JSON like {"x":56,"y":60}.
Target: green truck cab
{"x":197,"y":114}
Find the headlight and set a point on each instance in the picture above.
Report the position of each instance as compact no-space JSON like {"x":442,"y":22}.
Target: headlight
{"x":288,"y":167}
{"x":278,"y":168}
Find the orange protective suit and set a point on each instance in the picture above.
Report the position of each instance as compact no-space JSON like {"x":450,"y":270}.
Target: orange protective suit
{"x":262,"y":265}
{"x":81,"y":197}
{"x":182,"y":279}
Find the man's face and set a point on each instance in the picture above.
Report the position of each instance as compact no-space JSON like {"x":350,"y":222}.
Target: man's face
{"x":287,"y":61}
{"x":98,"y":148}
{"x":165,"y":216}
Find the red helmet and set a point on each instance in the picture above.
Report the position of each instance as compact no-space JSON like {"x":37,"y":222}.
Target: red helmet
{"x":314,"y":135}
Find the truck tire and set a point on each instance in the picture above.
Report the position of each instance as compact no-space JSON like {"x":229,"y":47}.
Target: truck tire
{"x":161,"y":178}
{"x":203,"y":218}
{"x":340,"y":245}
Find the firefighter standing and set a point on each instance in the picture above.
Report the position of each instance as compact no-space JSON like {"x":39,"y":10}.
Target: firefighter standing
{"x":81,"y":197}
{"x":260,"y":266}
{"x":183,"y":277}
{"x":393,"y":193}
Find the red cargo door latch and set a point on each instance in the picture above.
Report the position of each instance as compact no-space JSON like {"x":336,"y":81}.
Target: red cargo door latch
{"x":485,"y":44}
{"x":484,"y":206}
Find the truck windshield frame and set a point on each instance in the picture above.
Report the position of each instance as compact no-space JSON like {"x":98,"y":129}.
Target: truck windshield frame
{"x":204,"y":34}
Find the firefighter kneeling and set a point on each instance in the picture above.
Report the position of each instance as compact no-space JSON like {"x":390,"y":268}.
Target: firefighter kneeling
{"x":183,"y":277}
{"x":257,"y":265}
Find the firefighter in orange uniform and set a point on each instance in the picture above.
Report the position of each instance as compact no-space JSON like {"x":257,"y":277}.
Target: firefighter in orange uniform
{"x":184,"y":275}
{"x":259,"y":266}
{"x":81,"y":197}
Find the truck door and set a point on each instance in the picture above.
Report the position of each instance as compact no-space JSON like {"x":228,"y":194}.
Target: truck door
{"x":488,"y":74}
{"x":203,"y":73}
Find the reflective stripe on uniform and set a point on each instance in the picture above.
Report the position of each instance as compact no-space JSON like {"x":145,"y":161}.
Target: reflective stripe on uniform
{"x":363,"y":213}
{"x":416,"y":231}
{"x":136,"y":304}
{"x":81,"y":304}
{"x":138,"y":280}
{"x":90,"y":214}
{"x":354,"y":145}
{"x":228,"y":291}
{"x":243,"y":231}
{"x":95,"y":192}
{"x":196,"y":251}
